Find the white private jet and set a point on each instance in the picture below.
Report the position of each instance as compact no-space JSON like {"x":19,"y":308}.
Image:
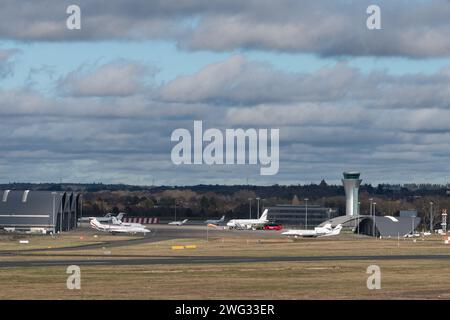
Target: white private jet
{"x":324,"y":231}
{"x":412,"y":235}
{"x":112,"y":228}
{"x":106,"y":218}
{"x":249,"y":223}
{"x":178,"y":223}
{"x":212,"y":221}
{"x":118,"y":222}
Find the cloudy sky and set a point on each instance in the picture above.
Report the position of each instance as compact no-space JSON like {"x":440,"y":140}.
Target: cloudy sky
{"x":99,"y":104}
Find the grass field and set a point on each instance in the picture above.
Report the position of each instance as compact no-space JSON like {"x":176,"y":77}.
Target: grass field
{"x":400,"y":279}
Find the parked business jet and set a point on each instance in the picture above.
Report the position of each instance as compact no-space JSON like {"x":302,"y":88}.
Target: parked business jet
{"x":324,"y":231}
{"x":118,"y":222}
{"x":217,"y":221}
{"x":106,"y":218}
{"x":112,"y":228}
{"x":178,"y":223}
{"x":249,"y":223}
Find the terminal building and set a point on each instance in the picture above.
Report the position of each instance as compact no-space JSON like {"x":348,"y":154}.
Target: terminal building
{"x":42,"y":211}
{"x":310,"y":215}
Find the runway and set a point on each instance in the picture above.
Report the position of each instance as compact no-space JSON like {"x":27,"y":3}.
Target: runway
{"x":211,"y":260}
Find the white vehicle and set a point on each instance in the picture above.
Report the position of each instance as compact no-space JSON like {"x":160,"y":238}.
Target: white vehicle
{"x":178,"y":223}
{"x":27,"y":230}
{"x":324,"y":231}
{"x":112,"y":228}
{"x":249,"y":223}
{"x":212,"y":221}
{"x":107,"y":218}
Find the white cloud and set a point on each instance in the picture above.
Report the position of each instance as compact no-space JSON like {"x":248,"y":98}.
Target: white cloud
{"x":117,"y":79}
{"x":331,"y":119}
{"x":332,"y":28}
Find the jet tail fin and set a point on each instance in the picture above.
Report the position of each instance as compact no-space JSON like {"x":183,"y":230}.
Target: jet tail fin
{"x":328,"y":226}
{"x":264,"y":215}
{"x":337,"y":229}
{"x":115,"y":220}
{"x":95,"y":223}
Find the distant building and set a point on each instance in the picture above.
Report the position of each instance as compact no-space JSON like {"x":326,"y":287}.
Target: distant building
{"x":408,"y":213}
{"x":43,"y":210}
{"x":300,"y":215}
{"x":390,"y":187}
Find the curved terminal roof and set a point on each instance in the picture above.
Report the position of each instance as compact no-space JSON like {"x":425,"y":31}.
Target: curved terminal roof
{"x":385,"y":226}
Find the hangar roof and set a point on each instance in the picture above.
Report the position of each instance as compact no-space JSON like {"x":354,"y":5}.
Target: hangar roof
{"x":29,"y":202}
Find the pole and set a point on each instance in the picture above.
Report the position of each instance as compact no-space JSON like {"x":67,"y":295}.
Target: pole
{"x":54,"y":224}
{"x":444,"y":221}
{"x":250,"y":208}
{"x":431,"y":216}
{"x":374,"y":213}
{"x":257,"y":208}
{"x":62,"y":218}
{"x":359,"y":210}
{"x":306,"y":213}
{"x":81,"y":208}
{"x":370,"y":208}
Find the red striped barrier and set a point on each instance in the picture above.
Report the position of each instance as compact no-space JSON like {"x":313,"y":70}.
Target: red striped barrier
{"x":142,"y":220}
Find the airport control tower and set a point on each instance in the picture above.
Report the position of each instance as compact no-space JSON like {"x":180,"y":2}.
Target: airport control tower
{"x":351,"y":183}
